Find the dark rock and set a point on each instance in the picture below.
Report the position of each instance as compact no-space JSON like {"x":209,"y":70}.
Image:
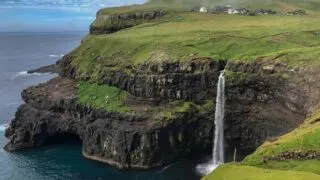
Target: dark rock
{"x":297,"y":12}
{"x":195,"y":80}
{"x":295,"y":155}
{"x":45,"y":69}
{"x":125,"y":141}
{"x":265,"y":11}
{"x":116,"y":22}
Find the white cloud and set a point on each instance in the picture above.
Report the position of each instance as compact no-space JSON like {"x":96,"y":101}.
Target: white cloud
{"x":66,"y":4}
{"x":80,"y":6}
{"x":76,"y":18}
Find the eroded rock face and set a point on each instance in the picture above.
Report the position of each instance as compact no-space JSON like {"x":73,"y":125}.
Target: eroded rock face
{"x":125,"y":141}
{"x":264,"y":100}
{"x":195,"y":80}
{"x":110,"y":23}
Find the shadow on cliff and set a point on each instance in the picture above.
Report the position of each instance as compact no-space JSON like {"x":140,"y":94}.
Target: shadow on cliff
{"x":63,"y":138}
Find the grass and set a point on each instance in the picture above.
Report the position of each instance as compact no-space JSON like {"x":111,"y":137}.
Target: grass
{"x":176,"y":108}
{"x":306,"y":166}
{"x":280,"y":5}
{"x":103,"y":97}
{"x":306,"y":137}
{"x":112,"y":99}
{"x":237,"y":172}
{"x":185,"y":36}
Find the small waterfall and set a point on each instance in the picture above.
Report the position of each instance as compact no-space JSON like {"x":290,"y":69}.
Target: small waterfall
{"x":218,"y":145}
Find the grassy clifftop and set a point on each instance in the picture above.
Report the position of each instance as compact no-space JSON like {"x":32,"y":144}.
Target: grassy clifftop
{"x":279,"y":5}
{"x":236,"y":172}
{"x":187,"y":36}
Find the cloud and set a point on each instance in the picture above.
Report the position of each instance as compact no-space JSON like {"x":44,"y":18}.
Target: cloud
{"x":76,"y":18}
{"x":68,"y":5}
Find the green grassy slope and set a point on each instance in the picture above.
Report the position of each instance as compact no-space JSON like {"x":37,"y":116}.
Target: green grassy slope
{"x":280,"y":5}
{"x":183,"y":36}
{"x":102,"y":97}
{"x":312,"y":166}
{"x":186,"y":36}
{"x":113,"y":99}
{"x":306,"y":137}
{"x":256,"y":167}
{"x":236,"y":172}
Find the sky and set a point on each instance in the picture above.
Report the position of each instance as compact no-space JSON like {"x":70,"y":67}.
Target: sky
{"x":52,"y":15}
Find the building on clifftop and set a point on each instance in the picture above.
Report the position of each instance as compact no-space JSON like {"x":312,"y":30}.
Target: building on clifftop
{"x":203,"y":10}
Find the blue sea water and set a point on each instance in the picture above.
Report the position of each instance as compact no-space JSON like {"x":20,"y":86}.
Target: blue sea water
{"x":20,"y":52}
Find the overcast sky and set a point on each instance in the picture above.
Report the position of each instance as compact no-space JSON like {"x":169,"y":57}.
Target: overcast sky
{"x":52,"y":15}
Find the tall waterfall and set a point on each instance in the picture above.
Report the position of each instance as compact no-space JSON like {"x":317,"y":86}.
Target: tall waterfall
{"x":218,"y":144}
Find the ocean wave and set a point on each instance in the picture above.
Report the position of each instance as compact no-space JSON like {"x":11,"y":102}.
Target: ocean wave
{"x":3,"y":127}
{"x":23,"y":74}
{"x":56,"y":56}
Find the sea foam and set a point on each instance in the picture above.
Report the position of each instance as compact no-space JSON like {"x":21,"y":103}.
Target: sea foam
{"x":55,"y":55}
{"x":23,"y":74}
{"x":3,"y":127}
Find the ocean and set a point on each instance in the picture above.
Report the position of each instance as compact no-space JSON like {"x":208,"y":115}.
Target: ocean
{"x":20,"y":52}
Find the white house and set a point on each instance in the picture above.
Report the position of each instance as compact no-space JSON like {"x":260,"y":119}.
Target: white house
{"x":203,"y":10}
{"x":233,"y":11}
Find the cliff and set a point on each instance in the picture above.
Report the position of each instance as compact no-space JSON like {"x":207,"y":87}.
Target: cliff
{"x":141,"y":95}
{"x":129,"y":132}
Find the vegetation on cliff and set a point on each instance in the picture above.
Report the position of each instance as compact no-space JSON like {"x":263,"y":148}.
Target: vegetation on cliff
{"x":184,"y":36}
{"x":304,"y":138}
{"x":271,"y":157}
{"x":102,"y":97}
{"x":233,"y":172}
{"x":279,"y":5}
{"x":181,"y":36}
{"x":113,"y":99}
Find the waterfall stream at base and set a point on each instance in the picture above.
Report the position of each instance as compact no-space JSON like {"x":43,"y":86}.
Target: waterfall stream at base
{"x":218,"y":144}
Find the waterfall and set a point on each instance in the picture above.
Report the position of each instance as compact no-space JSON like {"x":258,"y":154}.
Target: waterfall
{"x":218,"y":144}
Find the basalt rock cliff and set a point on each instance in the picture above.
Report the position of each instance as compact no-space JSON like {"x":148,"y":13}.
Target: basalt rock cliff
{"x":261,"y":103}
{"x":140,"y":139}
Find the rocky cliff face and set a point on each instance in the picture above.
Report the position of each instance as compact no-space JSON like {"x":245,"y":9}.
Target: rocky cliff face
{"x":125,"y":140}
{"x":110,"y":23}
{"x":264,"y":100}
{"x":194,"y":80}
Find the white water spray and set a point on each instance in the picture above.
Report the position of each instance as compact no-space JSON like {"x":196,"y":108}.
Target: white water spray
{"x":218,"y":144}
